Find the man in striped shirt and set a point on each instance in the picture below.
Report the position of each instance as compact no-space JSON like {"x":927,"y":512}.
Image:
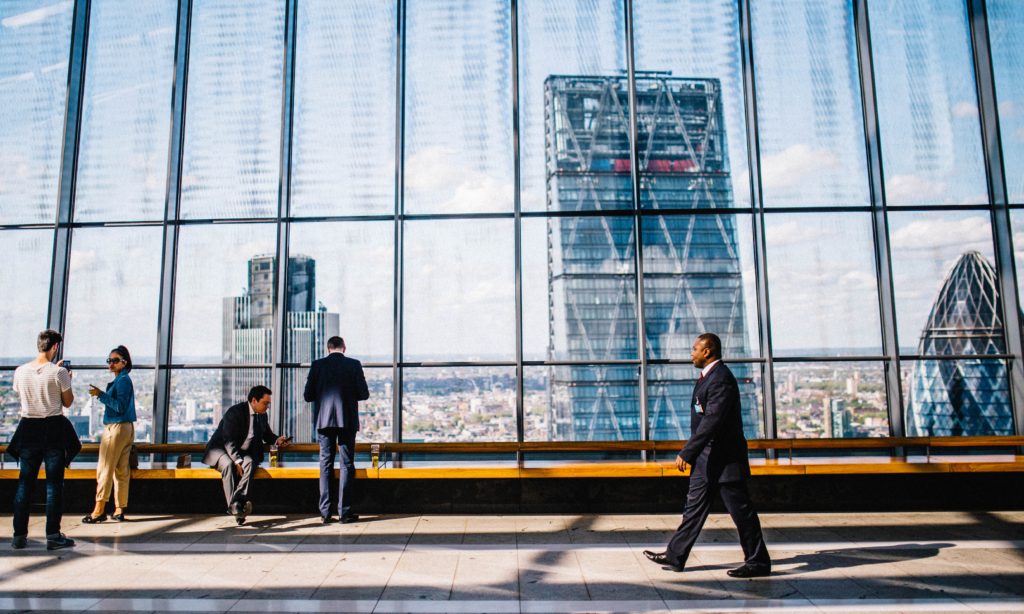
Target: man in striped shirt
{"x":45,"y":390}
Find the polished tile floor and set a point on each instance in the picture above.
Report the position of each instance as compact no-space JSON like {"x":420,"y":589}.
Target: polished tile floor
{"x":913,"y":562}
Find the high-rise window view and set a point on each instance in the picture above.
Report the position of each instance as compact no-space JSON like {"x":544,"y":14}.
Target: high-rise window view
{"x":519,"y":215}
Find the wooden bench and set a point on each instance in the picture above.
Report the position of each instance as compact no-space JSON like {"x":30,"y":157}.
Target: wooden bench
{"x":655,"y":459}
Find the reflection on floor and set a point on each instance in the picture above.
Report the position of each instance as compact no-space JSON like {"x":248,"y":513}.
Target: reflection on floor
{"x":920,"y":562}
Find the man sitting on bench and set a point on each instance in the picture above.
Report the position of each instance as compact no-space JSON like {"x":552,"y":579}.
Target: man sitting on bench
{"x":236,"y":448}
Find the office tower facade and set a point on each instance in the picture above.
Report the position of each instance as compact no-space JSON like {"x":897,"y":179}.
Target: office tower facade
{"x":248,"y":337}
{"x":692,"y":274}
{"x":967,"y":396}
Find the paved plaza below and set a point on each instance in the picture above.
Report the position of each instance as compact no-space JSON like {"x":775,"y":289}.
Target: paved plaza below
{"x":879,"y":562}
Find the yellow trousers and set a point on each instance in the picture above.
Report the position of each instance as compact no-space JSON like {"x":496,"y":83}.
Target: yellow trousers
{"x":112,"y":469}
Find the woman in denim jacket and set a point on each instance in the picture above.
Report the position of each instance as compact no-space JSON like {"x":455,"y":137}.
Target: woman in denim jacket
{"x":118,"y":435}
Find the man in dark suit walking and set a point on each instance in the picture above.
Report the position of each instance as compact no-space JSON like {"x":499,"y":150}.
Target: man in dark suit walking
{"x":335,"y":386}
{"x":717,"y":452}
{"x":236,"y":448}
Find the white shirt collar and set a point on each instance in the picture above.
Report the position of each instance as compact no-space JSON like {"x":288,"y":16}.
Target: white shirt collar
{"x":707,"y":368}
{"x":252,"y":412}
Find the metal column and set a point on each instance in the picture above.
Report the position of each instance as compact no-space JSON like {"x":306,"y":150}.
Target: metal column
{"x":162,"y":378}
{"x":69,"y":158}
{"x":988,"y":105}
{"x":880,"y":223}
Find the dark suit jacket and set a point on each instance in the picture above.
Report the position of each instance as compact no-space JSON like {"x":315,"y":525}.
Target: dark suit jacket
{"x":231,"y":434}
{"x":717,"y":449}
{"x":335,"y":386}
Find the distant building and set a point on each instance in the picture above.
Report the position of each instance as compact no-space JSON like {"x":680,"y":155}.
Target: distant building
{"x":692,"y":275}
{"x":966,"y":396}
{"x":249,"y":336}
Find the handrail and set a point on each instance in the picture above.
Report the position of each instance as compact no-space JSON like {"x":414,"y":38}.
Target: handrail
{"x":511,"y":447}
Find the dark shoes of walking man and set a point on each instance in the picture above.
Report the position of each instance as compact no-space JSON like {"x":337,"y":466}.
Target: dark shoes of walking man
{"x":717,"y":453}
{"x":335,"y":386}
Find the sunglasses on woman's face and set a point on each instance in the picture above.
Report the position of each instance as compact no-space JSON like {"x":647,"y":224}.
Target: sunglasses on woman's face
{"x":113,"y":361}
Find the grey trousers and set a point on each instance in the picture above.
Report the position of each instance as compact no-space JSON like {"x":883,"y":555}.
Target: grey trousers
{"x":236,"y":489}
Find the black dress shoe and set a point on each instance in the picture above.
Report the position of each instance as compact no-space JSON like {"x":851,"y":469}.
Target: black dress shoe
{"x":326,"y":519}
{"x":90,"y":519}
{"x":750,"y":571}
{"x":349,"y":519}
{"x":661,"y":558}
{"x":117,"y":517}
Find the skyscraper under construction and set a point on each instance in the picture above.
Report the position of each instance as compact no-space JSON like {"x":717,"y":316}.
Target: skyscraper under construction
{"x":691,"y":267}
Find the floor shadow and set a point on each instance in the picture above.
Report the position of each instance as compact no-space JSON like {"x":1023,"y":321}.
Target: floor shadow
{"x":843,"y":558}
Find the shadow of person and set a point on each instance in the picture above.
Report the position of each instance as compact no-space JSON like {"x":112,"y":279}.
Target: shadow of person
{"x":841,"y":558}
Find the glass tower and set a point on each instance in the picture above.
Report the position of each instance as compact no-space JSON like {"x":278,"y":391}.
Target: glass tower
{"x":966,"y":396}
{"x":248,"y":337}
{"x":692,"y":274}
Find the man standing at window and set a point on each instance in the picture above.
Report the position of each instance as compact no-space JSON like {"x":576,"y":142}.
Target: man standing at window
{"x":335,"y":386}
{"x":717,"y":451}
{"x":44,"y":436}
{"x":236,"y":448}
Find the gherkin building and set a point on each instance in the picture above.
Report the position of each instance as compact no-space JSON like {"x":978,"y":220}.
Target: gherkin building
{"x":966,"y":396}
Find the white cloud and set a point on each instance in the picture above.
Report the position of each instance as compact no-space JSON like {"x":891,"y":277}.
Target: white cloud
{"x":83,"y":260}
{"x":435,"y":175}
{"x":965,"y":109}
{"x":1018,"y":135}
{"x":792,"y":165}
{"x":914,"y":188}
{"x":36,"y":15}
{"x":967,"y":233}
{"x":1007,"y":108}
{"x":792,"y":233}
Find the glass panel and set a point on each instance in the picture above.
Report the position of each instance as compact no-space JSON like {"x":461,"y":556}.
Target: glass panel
{"x":808,"y":104}
{"x":690,"y":90}
{"x":830,"y":399}
{"x":579,"y":289}
{"x":1017,"y":228}
{"x":233,"y":126}
{"x":823,"y":285}
{"x":582,"y":403}
{"x":27,"y":256}
{"x":375,"y":415}
{"x":957,"y":397}
{"x":927,"y":103}
{"x":459,"y":404}
{"x":459,"y":283}
{"x":10,"y":410}
{"x":946,"y":285}
{"x":574,"y":131}
{"x":1005,"y":21}
{"x":122,"y":163}
{"x":224,"y":301}
{"x":199,"y":398}
{"x":344,"y":137}
{"x":331,"y":263}
{"x":670,"y":389}
{"x":86,"y":414}
{"x":113,"y":293}
{"x":35,"y":42}
{"x":458,"y":96}
{"x":699,"y":277}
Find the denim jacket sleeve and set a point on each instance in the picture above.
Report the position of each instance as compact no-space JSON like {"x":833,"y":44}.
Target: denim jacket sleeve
{"x":118,"y":397}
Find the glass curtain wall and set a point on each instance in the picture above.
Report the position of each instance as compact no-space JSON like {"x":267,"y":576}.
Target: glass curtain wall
{"x":519,"y":214}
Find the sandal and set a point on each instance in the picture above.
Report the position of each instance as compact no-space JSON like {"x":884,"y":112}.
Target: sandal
{"x":90,"y":519}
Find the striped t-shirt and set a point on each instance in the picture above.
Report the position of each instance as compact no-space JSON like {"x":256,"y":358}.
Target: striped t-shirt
{"x":40,"y":387}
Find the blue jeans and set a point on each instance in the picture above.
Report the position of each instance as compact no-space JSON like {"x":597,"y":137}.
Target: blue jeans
{"x":30,"y":460}
{"x":345,"y":439}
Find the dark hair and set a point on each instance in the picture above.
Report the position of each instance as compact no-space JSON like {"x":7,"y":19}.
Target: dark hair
{"x":713,"y":343}
{"x":125,"y":356}
{"x":335,"y":343}
{"x":47,"y":339}
{"x":258,"y":392}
